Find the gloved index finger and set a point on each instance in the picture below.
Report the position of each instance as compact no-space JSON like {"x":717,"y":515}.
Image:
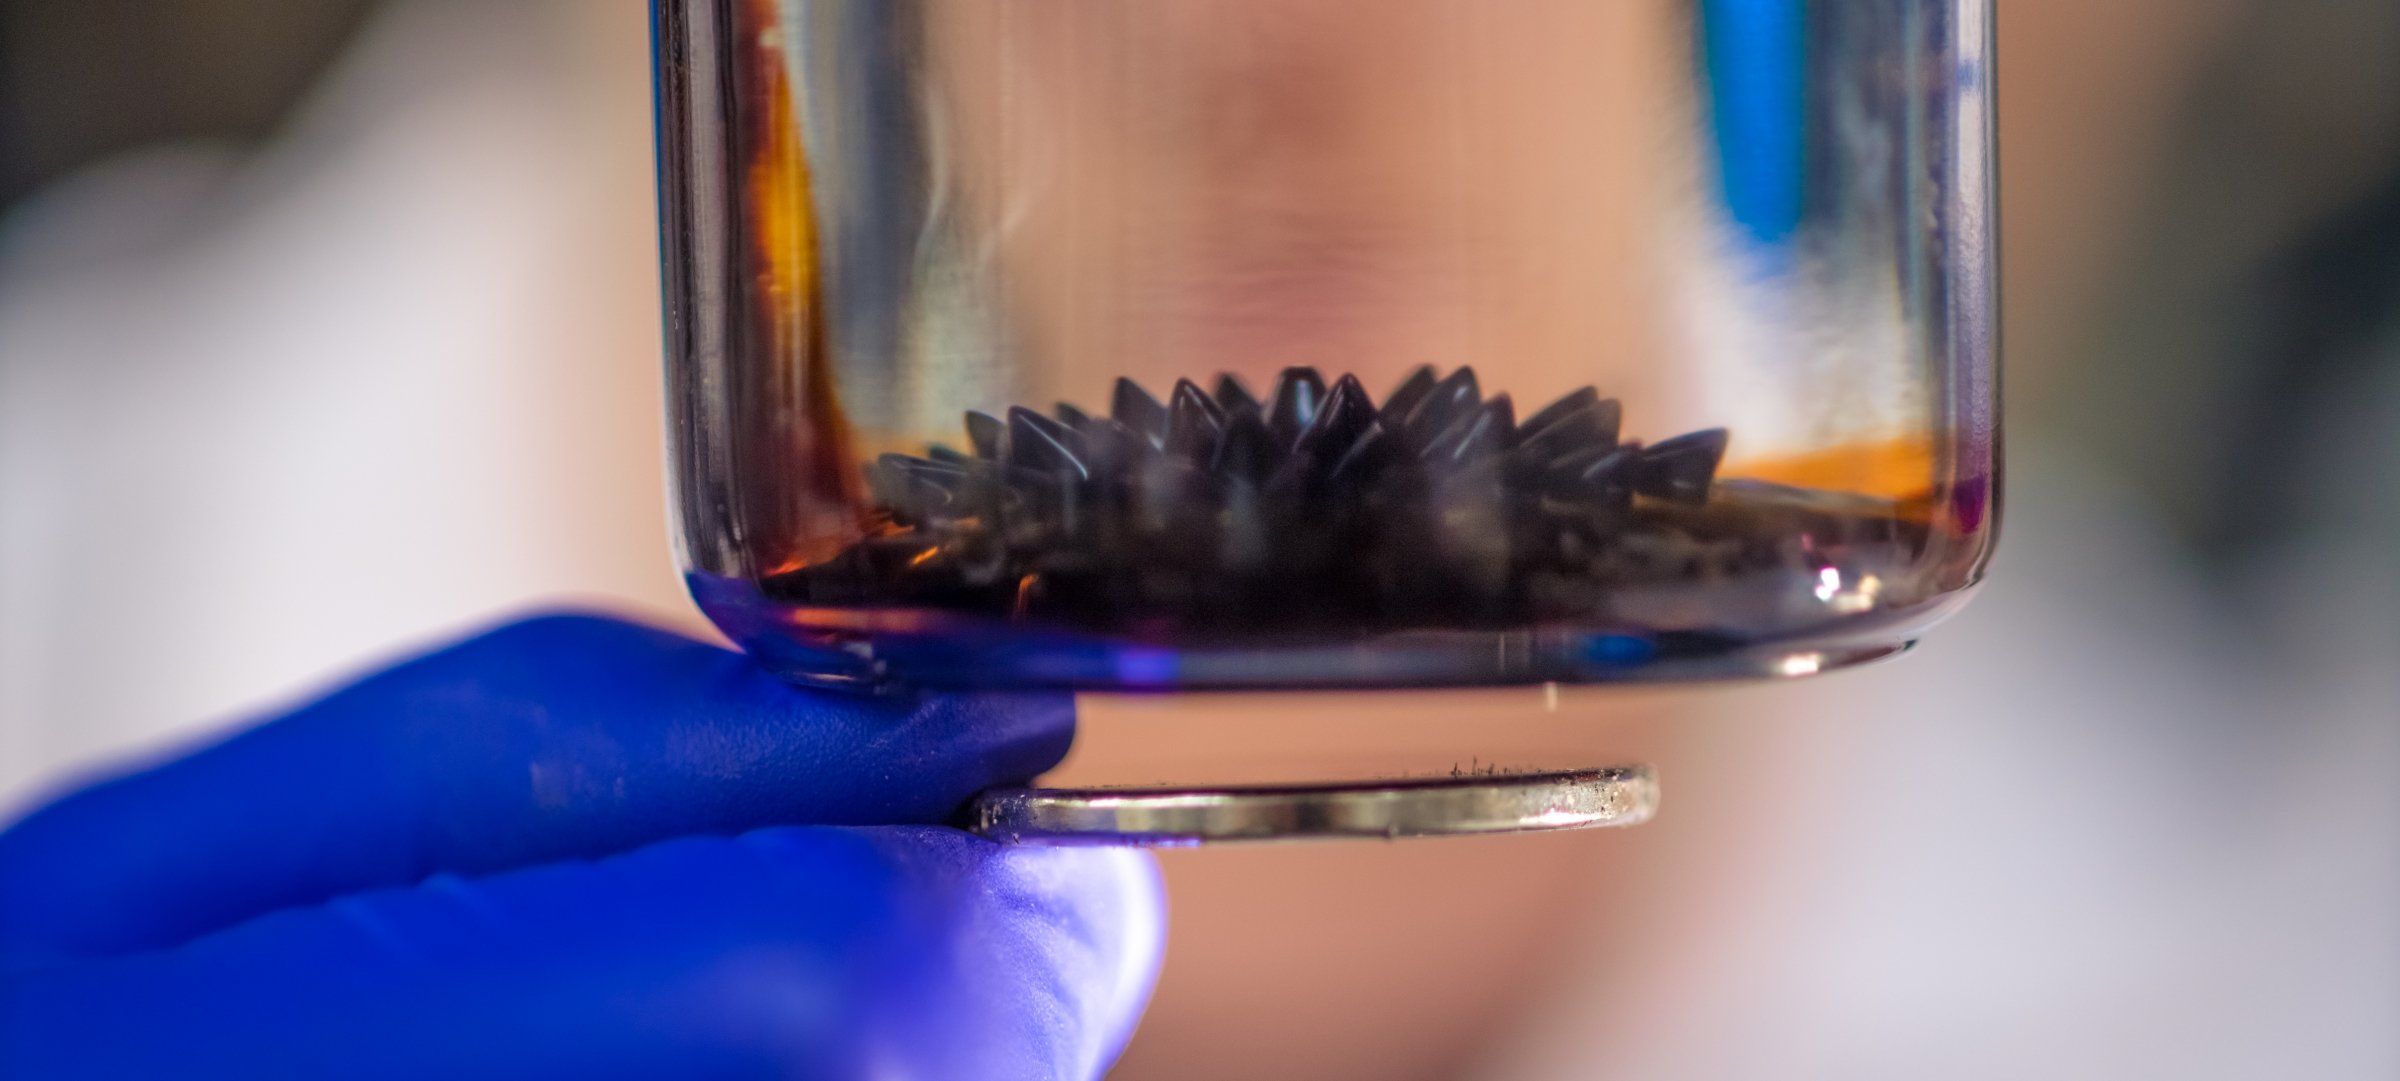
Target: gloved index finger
{"x":559,"y":737}
{"x":903,"y":952}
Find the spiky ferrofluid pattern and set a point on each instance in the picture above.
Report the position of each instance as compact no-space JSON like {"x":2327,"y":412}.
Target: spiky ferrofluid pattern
{"x":1313,"y":506}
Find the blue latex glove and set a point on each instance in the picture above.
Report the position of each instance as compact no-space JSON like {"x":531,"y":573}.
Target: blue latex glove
{"x":573,"y":848}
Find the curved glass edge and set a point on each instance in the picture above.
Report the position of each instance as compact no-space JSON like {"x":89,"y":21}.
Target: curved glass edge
{"x":896,"y":650}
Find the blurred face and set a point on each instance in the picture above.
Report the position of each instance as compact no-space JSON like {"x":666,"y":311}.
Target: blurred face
{"x":1389,"y":961}
{"x":1249,"y":184}
{"x":1177,"y":187}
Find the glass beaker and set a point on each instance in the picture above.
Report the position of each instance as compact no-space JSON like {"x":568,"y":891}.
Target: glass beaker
{"x":1181,"y":344}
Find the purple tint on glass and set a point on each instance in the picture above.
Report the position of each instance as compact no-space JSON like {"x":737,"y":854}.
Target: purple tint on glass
{"x":1970,"y":501}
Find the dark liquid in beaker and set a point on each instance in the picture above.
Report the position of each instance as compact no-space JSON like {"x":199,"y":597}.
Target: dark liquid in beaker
{"x":1314,"y":513}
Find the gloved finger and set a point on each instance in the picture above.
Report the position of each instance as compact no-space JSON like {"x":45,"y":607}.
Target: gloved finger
{"x":552,"y":738}
{"x":911,"y":952}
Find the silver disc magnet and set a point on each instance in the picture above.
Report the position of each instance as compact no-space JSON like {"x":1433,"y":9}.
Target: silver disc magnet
{"x":1399,"y":807}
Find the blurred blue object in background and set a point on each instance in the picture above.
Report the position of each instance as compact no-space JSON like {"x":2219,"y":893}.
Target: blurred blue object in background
{"x":1756,"y":54}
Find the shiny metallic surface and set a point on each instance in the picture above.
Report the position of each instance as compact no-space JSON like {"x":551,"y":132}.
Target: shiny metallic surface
{"x":1404,"y":807}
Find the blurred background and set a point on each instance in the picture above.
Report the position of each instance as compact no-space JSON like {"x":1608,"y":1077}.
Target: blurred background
{"x":327,"y":329}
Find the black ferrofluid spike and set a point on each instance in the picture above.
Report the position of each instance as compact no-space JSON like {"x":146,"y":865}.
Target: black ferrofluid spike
{"x":1314,"y":506}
